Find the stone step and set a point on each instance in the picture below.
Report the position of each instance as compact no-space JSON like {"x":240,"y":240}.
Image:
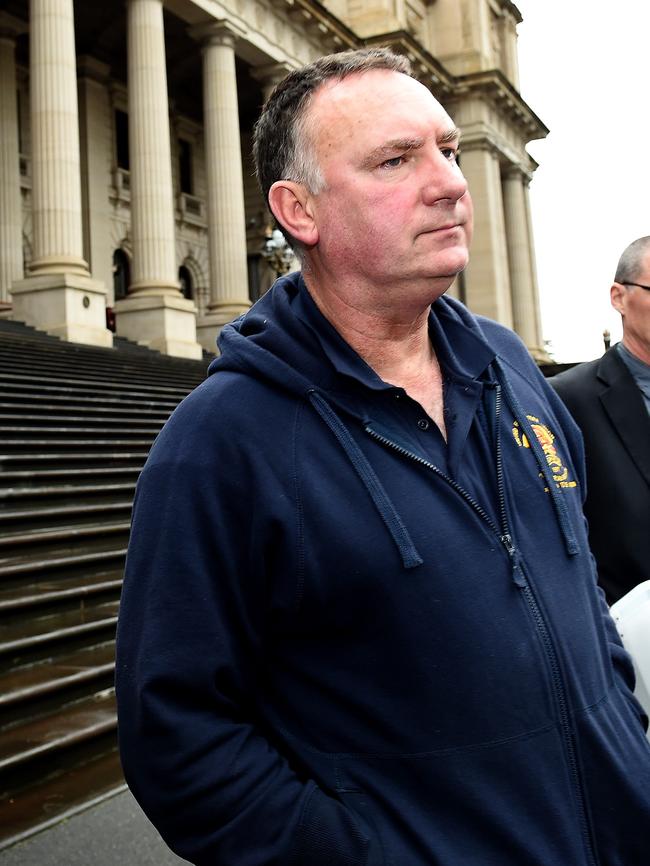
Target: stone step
{"x":65,"y":432}
{"x":76,"y":425}
{"x":65,"y":671}
{"x":14,"y":566}
{"x":71,"y":534}
{"x":59,"y":793}
{"x":98,"y":384}
{"x":72,"y":442}
{"x":65,"y":728}
{"x":22,"y":636}
{"x":50,"y":517}
{"x":102,"y":458}
{"x":32,"y":406}
{"x":52,"y":390}
{"x":53,"y":589}
{"x":26,"y":354}
{"x":94,"y":356}
{"x":72,"y":491}
{"x":40,"y":476}
{"x":51,"y":414}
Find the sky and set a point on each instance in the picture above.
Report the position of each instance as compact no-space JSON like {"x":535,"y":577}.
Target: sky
{"x":585,"y":71}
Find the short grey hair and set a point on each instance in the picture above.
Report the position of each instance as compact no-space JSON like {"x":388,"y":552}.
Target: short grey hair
{"x":282,"y":148}
{"x":630,"y":263}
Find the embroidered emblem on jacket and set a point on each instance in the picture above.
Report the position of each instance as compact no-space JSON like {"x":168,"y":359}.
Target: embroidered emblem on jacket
{"x":546,"y":439}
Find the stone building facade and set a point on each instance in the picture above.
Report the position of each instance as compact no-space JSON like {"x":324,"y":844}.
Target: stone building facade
{"x":127,"y":197}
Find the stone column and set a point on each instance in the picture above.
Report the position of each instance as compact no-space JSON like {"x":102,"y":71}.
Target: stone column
{"x":541,"y":353}
{"x":59,"y":295}
{"x":95,"y":119}
{"x":155,"y":313}
{"x":486,"y":279}
{"x":11,"y":249}
{"x":518,"y":240}
{"x":225,"y":186}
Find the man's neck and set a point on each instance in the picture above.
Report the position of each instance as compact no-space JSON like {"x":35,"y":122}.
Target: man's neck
{"x":635,"y":347}
{"x":394,"y":343}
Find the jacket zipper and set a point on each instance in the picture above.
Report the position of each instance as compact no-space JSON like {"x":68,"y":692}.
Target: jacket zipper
{"x":520,"y":579}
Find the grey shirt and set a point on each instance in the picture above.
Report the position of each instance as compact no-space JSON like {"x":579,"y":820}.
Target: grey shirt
{"x":640,"y":372}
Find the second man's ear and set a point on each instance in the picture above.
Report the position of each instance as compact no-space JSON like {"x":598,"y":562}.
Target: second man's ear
{"x":291,"y":205}
{"x":617,"y":295}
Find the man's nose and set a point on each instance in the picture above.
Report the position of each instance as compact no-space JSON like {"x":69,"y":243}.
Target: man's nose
{"x":445,"y":181}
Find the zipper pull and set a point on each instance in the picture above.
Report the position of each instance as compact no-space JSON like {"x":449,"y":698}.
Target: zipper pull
{"x":513,"y":553}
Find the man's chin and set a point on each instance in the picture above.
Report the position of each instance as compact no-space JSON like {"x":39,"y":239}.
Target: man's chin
{"x":449,"y":266}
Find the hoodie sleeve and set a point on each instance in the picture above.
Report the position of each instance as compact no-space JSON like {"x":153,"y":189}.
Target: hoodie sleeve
{"x":190,"y":638}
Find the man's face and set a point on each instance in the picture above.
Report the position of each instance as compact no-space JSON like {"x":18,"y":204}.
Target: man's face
{"x":395,"y":211}
{"x":633,"y":303}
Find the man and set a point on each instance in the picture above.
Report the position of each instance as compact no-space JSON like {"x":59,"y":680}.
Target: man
{"x":360,"y":625}
{"x":610,"y":400}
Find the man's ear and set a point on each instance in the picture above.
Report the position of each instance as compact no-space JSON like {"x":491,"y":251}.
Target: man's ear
{"x":618,"y":294}
{"x":291,"y":205}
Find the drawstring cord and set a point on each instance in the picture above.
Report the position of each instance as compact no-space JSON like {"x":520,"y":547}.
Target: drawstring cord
{"x":410,"y":557}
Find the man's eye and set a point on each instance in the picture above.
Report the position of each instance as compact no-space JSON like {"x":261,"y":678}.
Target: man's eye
{"x":450,"y":153}
{"x":393,"y":162}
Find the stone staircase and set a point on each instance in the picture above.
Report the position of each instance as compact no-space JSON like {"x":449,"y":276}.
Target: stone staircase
{"x":76,"y":423}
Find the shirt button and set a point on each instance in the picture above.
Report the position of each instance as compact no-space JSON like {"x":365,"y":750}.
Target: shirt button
{"x":423,"y":424}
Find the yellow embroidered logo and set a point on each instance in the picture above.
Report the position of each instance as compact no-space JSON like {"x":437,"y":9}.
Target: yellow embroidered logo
{"x":546,"y":439}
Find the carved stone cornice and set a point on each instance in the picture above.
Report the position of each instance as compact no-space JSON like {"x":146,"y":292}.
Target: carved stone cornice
{"x":494,"y":87}
{"x":217,"y":32}
{"x":505,"y":7}
{"x":314,"y":16}
{"x":425,"y":67}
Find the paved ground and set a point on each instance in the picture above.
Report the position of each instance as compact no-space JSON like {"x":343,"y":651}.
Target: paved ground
{"x":113,"y":833}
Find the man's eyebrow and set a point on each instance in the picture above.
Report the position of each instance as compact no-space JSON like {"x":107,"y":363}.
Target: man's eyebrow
{"x":388,"y":149}
{"x":452,"y":135}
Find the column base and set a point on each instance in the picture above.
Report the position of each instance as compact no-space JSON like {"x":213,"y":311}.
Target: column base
{"x":69,"y":306}
{"x":209,"y":326}
{"x":165,"y":323}
{"x":5,"y":310}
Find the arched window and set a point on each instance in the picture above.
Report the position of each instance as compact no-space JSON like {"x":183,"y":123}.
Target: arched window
{"x":185,"y":279}
{"x":121,"y":274}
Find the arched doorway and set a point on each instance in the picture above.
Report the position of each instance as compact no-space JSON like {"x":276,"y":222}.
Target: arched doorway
{"x":185,"y":279}
{"x":121,"y":274}
{"x":121,"y":282}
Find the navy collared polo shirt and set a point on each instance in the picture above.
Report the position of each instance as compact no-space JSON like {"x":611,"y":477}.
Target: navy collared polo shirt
{"x":468,"y":455}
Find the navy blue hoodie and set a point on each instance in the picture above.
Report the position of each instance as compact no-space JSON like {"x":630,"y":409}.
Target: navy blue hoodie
{"x":344,"y":643}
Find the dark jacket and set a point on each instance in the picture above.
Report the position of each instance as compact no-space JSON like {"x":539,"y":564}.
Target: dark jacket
{"x":608,"y":406}
{"x":334,"y":652}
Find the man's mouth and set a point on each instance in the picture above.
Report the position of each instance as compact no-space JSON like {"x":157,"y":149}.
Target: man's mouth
{"x":447,"y":227}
